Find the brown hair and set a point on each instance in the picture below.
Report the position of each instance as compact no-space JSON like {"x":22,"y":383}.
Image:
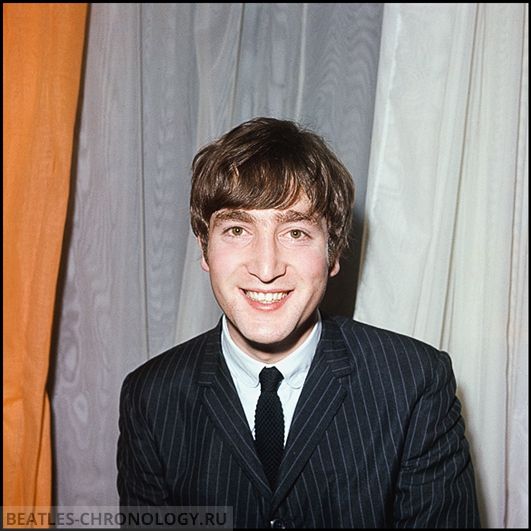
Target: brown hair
{"x":268,"y":163}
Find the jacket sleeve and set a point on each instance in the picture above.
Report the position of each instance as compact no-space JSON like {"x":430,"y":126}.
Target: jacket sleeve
{"x":140,"y":472}
{"x":435,"y":487}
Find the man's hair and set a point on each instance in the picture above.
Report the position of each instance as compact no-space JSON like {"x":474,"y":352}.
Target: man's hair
{"x":269,"y":163}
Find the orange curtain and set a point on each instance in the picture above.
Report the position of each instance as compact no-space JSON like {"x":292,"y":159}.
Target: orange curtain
{"x":43,"y":51}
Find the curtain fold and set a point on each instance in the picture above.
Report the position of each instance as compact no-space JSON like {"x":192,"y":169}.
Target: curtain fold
{"x":517,"y":459}
{"x":42,"y":59}
{"x":216,"y":34}
{"x":445,"y":256}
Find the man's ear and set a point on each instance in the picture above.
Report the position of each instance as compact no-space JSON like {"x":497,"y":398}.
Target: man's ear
{"x":204,"y":261}
{"x":334,"y":269}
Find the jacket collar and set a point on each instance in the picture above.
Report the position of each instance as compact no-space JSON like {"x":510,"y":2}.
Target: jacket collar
{"x":320,"y":399}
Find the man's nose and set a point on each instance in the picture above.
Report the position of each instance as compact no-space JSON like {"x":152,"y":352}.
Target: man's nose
{"x":267,"y":259}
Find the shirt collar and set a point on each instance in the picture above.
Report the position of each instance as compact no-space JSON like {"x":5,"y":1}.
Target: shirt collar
{"x":294,"y":367}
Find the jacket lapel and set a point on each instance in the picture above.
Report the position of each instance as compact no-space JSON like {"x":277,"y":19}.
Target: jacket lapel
{"x":225,"y":410}
{"x":320,"y":399}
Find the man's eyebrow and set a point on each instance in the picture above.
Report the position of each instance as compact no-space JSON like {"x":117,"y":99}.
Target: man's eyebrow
{"x":232,"y":215}
{"x":282,"y":216}
{"x":291,"y":216}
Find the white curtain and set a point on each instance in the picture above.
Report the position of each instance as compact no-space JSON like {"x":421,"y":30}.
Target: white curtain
{"x":160,"y":81}
{"x":446,"y":221}
{"x":445,"y":252}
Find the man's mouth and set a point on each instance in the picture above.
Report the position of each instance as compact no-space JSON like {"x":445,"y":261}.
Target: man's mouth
{"x":266,"y":298}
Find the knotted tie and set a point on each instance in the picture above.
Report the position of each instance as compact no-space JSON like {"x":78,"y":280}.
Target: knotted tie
{"x":269,"y":424}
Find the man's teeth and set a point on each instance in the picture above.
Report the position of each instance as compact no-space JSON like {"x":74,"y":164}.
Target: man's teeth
{"x":266,"y":297}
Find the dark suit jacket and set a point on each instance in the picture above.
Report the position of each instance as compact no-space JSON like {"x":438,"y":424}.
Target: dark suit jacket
{"x":377,"y":439}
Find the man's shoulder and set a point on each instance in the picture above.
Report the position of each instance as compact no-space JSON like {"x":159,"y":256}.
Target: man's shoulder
{"x":380,"y":348}
{"x":182,"y":361}
{"x":365,"y":332}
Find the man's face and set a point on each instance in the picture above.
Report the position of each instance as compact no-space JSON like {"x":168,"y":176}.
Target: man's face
{"x":269,"y":270}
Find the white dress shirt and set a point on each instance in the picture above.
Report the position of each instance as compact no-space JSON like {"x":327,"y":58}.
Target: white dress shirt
{"x":245,"y":371}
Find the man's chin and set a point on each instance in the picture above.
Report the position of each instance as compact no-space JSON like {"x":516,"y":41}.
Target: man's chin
{"x":281,"y":346}
{"x":275,"y":343}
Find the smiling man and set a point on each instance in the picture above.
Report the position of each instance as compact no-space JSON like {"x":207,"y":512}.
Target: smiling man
{"x":293,"y":418}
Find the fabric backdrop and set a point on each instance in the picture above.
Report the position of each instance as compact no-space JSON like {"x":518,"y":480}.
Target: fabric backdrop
{"x":445,"y":253}
{"x":446,"y":227}
{"x":42,"y":56}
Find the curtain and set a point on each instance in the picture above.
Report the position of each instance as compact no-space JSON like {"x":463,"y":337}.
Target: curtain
{"x":446,"y":216}
{"x":42,"y":53}
{"x":161,"y":80}
{"x":446,"y":222}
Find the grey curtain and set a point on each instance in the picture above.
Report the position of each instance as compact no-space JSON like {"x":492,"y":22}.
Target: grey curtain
{"x":160,"y":81}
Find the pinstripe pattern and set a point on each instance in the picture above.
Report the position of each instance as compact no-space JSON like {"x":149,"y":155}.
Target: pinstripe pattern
{"x":377,"y":439}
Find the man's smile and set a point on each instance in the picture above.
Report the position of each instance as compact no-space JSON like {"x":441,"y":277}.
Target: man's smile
{"x":266,"y":297}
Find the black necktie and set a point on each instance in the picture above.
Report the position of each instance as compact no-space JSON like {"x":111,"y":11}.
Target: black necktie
{"x":269,"y":424}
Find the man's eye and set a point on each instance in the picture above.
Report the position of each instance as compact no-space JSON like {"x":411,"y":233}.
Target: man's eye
{"x":236,"y":231}
{"x":296,"y":234}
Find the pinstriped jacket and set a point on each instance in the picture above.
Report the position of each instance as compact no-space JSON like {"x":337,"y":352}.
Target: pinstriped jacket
{"x":377,"y":438}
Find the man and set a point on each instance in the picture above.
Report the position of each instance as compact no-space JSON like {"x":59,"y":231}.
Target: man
{"x":370,"y":432}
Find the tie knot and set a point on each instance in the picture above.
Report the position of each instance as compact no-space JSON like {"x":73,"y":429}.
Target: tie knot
{"x":270,"y":378}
